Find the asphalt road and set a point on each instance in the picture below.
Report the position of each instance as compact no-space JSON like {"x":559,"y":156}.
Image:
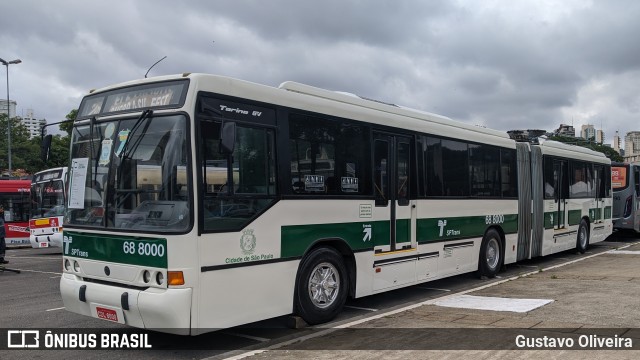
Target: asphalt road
{"x":31,"y":299}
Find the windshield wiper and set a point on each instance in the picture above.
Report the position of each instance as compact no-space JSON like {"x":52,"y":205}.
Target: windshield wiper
{"x":145,"y":114}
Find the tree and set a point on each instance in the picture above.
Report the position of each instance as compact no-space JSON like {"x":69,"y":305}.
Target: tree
{"x":23,"y":151}
{"x":59,"y":155}
{"x":68,"y":126}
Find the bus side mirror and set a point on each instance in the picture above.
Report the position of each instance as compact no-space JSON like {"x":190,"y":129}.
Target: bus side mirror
{"x":228,"y":138}
{"x":45,"y":148}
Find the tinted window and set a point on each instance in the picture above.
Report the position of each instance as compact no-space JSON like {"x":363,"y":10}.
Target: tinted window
{"x":328,"y":157}
{"x":508,"y":173}
{"x":239,"y":186}
{"x":549,"y":179}
{"x":435,"y":174}
{"x":456,"y":171}
{"x":581,"y":180}
{"x":484,"y":170}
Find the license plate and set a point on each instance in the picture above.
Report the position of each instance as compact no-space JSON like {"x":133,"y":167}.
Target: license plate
{"x":107,"y":314}
{"x":44,"y":244}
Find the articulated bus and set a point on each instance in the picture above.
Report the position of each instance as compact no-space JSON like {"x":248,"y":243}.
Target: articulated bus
{"x":47,"y":207}
{"x":14,"y":198}
{"x":626,"y":196}
{"x":198,"y":202}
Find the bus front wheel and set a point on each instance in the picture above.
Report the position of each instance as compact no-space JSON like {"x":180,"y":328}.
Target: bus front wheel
{"x":490,"y":254}
{"x":321,"y":287}
{"x":583,"y":237}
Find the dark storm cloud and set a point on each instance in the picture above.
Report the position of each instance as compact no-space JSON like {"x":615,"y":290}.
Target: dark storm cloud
{"x":496,"y":63}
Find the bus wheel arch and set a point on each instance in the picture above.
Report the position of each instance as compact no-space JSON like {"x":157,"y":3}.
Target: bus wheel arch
{"x":492,"y":249}
{"x":323,"y":281}
{"x":582,"y":240}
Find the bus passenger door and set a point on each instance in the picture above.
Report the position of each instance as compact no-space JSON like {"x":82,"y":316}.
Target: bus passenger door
{"x":599,"y":177}
{"x":561,"y":187}
{"x":394,"y":262}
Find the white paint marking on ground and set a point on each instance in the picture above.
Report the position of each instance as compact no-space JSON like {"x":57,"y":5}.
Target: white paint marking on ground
{"x":60,"y":308}
{"x":261,"y":339}
{"x":40,"y":272}
{"x":360,"y":308}
{"x":396,"y":311}
{"x":626,"y":252}
{"x":493,"y":303}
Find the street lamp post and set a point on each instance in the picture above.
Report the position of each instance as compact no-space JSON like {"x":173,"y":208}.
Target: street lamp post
{"x":7,"y":63}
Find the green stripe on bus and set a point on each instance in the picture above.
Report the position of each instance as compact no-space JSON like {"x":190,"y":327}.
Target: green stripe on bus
{"x":575,"y":216}
{"x":549,"y":219}
{"x":600,"y":213}
{"x":130,"y":250}
{"x":439,"y":229}
{"x":296,"y":239}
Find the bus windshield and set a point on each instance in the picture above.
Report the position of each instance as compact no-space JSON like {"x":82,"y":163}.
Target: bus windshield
{"x":47,"y":199}
{"x":130,"y":173}
{"x":619,"y":177}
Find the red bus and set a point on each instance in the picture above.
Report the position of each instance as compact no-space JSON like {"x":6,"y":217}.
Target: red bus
{"x":14,"y":197}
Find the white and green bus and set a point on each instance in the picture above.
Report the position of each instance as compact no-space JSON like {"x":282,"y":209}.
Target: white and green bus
{"x":198,"y":202}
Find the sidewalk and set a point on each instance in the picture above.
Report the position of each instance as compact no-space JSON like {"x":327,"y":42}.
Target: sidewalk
{"x":596,"y":298}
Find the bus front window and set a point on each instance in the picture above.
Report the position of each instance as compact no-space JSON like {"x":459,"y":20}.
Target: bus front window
{"x":131,"y":176}
{"x":47,"y":199}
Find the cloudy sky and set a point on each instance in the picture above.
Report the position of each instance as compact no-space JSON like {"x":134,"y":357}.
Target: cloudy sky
{"x":497,"y":63}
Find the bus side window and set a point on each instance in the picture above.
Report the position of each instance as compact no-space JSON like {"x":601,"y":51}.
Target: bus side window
{"x":381,"y":176}
{"x":636,"y":179}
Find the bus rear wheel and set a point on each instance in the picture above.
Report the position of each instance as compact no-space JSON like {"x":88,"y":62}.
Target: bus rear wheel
{"x":490,"y":254}
{"x":321,"y":286}
{"x":583,"y":237}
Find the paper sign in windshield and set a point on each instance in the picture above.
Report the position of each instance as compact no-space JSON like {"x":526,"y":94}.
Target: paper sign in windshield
{"x":78,"y":179}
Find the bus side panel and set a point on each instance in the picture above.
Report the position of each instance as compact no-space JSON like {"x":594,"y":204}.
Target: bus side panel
{"x":241,"y":295}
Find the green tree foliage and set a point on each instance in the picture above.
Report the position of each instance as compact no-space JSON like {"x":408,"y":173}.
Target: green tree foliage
{"x":606,"y":150}
{"x":68,"y":126}
{"x":59,"y":155}
{"x":25,"y":152}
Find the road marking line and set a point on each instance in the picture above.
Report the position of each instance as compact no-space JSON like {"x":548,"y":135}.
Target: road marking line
{"x":627,"y":252}
{"x":396,"y":311}
{"x":60,"y":308}
{"x":41,"y":272}
{"x":261,"y":339}
{"x":360,"y":308}
{"x":34,"y":257}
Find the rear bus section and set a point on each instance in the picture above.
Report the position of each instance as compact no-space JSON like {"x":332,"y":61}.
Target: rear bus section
{"x":46,"y":232}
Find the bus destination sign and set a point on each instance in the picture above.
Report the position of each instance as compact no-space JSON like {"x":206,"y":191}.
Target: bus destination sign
{"x":144,"y":98}
{"x":133,"y":98}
